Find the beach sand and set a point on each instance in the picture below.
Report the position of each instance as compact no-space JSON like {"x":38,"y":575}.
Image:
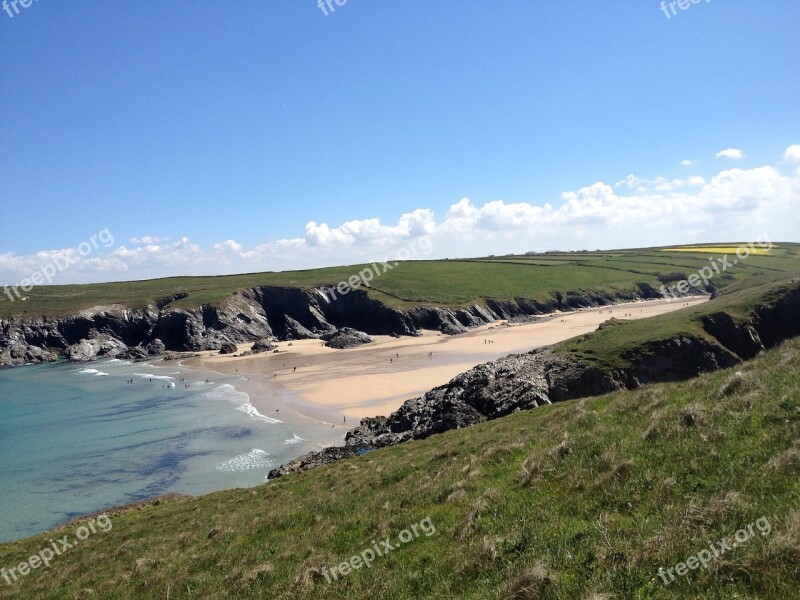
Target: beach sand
{"x":342,"y":386}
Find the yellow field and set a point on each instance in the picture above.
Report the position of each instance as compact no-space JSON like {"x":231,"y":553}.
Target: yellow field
{"x":756,"y":249}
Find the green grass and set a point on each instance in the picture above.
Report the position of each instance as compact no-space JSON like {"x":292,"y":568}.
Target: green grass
{"x":452,"y":283}
{"x":617,"y":345}
{"x":571,"y":501}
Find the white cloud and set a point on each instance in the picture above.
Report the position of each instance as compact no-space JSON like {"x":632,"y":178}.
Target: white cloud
{"x":660,"y":184}
{"x":734,"y":204}
{"x":792,"y":154}
{"x":688,"y":163}
{"x":416,"y":223}
{"x":148,"y":239}
{"x":229,"y":245}
{"x":732,"y":153}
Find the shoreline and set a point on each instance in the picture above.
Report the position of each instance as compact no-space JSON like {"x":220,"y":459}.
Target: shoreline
{"x":340,"y":387}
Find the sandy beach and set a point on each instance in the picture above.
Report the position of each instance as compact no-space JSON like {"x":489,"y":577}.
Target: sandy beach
{"x":343,"y":386}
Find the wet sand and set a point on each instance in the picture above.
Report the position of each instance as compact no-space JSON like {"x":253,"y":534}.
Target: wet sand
{"x":343,"y":386}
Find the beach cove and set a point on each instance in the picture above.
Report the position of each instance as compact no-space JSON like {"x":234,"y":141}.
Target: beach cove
{"x":340,"y":387}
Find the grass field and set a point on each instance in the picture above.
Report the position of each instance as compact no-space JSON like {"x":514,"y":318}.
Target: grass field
{"x":443,"y":282}
{"x":581,"y":500}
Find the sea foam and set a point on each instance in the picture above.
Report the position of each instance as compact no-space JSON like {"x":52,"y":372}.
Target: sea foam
{"x":242,"y":400}
{"x":161,"y":377}
{"x":255,"y":459}
{"x":94,"y":372}
{"x":251,"y":410}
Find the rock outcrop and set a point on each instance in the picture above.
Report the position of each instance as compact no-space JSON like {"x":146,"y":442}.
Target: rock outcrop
{"x":347,"y":337}
{"x":488,"y":391}
{"x":315,"y":459}
{"x":262,"y":346}
{"x":228,"y":348}
{"x":98,"y":345}
{"x":138,"y":353}
{"x":155,"y":348}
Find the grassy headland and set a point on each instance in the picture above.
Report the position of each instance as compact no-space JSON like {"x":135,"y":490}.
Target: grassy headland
{"x":615,"y":345}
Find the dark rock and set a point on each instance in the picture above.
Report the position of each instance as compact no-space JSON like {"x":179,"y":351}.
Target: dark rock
{"x":263,"y":345}
{"x":346,"y":338}
{"x":367,"y":432}
{"x":435,"y":318}
{"x":180,"y":356}
{"x":469,"y":319}
{"x":155,"y":348}
{"x":135,"y":353}
{"x":449,"y":328}
{"x":228,"y":348}
{"x":523,"y":319}
{"x":294,"y":330}
{"x":316,"y":459}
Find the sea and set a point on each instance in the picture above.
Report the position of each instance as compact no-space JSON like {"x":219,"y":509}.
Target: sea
{"x":80,"y":438}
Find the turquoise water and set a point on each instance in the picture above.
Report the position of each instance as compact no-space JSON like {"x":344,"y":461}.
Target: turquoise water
{"x":75,"y":439}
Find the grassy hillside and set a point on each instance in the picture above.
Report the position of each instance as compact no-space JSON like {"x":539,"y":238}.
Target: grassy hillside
{"x":610,"y":345}
{"x":447,"y":282}
{"x":583,"y":499}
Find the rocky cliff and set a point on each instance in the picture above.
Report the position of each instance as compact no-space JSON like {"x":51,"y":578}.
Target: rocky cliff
{"x":280,"y":313}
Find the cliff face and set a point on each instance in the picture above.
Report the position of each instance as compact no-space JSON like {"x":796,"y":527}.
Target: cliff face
{"x":266,"y":312}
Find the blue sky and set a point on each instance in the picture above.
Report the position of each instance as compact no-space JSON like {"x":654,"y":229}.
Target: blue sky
{"x":214,"y":137}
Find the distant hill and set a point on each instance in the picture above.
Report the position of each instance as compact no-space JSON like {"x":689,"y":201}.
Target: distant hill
{"x":446,"y":283}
